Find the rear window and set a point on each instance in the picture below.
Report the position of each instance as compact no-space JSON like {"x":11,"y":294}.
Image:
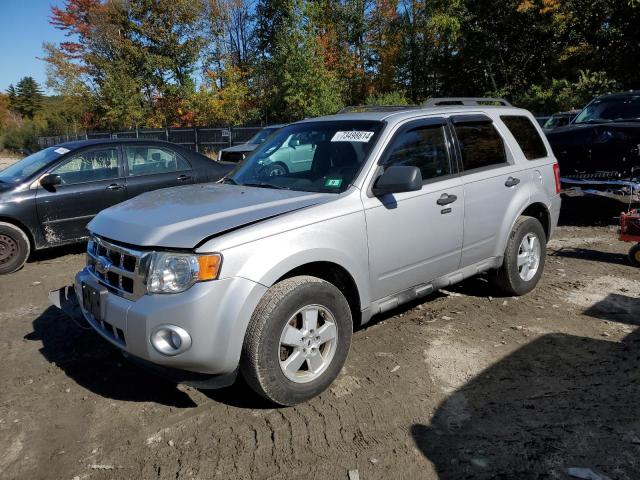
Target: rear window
{"x":480,"y":144}
{"x":526,"y":135}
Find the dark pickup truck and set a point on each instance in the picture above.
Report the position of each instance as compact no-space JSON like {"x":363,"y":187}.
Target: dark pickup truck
{"x":599,"y":151}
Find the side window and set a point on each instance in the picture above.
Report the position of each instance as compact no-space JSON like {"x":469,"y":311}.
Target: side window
{"x":480,"y":144}
{"x":89,"y":166}
{"x":526,"y":135}
{"x":422,"y":147}
{"x":150,"y":160}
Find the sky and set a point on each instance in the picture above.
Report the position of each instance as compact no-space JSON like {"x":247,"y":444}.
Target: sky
{"x":24,"y":26}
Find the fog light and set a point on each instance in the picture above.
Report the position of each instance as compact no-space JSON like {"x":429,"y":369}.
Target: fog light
{"x":170,"y":340}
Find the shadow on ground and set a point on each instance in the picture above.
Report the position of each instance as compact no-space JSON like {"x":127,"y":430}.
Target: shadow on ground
{"x":96,"y":365}
{"x":590,"y":211}
{"x":561,"y":401}
{"x":592,"y":255}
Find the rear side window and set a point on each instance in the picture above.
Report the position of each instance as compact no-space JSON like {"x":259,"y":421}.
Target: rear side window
{"x":149,"y":160}
{"x":526,"y":135}
{"x":422,"y":147}
{"x":480,"y":144}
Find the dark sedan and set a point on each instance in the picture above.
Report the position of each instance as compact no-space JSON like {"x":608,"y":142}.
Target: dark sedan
{"x":47,"y":198}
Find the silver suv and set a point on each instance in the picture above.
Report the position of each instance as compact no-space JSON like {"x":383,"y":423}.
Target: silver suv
{"x":267,"y":274}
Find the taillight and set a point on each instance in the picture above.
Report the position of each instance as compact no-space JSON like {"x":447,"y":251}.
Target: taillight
{"x":556,"y":175}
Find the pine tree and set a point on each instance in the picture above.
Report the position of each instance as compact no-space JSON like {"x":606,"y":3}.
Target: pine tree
{"x":28,"y":97}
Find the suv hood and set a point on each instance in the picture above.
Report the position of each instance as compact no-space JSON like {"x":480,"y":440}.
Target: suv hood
{"x":182,"y":217}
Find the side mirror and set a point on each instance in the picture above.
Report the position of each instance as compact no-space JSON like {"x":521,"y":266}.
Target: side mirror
{"x":50,"y":180}
{"x":294,"y":142}
{"x":398,"y":179}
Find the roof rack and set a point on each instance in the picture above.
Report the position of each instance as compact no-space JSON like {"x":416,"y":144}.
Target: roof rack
{"x":377,"y":108}
{"x":474,"y":101}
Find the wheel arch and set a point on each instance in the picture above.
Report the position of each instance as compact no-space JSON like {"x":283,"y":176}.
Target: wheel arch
{"x":336,"y":275}
{"x":27,"y":231}
{"x":541,"y":212}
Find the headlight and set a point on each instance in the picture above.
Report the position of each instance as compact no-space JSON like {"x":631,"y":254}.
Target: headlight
{"x":176,"y":272}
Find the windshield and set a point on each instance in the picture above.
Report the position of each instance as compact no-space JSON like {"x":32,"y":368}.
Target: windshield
{"x":261,"y":136}
{"x":556,"y":121}
{"x":26,"y":167}
{"x":611,"y":109}
{"x":310,"y":157}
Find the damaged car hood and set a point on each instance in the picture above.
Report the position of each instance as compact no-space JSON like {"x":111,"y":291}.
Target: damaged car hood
{"x":182,"y":217}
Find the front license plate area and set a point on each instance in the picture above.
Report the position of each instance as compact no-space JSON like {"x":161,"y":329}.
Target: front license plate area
{"x":93,"y":301}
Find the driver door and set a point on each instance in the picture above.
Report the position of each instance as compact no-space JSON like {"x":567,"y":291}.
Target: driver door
{"x":416,"y":237}
{"x":92,"y":180}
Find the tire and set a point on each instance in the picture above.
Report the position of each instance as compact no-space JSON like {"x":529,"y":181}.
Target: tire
{"x":14,"y":248}
{"x":634,"y":255}
{"x":276,"y":169}
{"x":264,"y":356}
{"x":515,"y":279}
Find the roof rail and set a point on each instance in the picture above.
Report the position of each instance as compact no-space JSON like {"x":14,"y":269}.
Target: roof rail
{"x":474,"y":101}
{"x":377,"y":108}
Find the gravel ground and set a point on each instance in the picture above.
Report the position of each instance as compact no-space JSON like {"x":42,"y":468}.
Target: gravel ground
{"x":6,"y":160}
{"x":466,"y":385}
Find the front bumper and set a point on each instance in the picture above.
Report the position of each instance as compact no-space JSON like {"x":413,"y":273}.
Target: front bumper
{"x":215,"y":314}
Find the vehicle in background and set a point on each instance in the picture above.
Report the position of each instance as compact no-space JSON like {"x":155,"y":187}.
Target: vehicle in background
{"x":560,"y":119}
{"x":599,"y":151}
{"x":238,"y":153}
{"x":542,"y":120}
{"x":47,"y":198}
{"x":267,"y":274}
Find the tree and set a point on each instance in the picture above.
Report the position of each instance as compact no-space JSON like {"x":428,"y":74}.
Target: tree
{"x":26,"y":98}
{"x":298,"y":83}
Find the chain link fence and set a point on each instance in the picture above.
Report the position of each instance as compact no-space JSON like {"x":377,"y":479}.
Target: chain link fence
{"x":200,"y":139}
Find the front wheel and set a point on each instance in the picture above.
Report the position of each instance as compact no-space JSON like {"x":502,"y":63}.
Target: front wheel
{"x":14,"y":248}
{"x":524,"y":258}
{"x":297,"y":341}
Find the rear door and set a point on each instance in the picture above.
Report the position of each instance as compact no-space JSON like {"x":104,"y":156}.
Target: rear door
{"x":539,"y":160}
{"x":150,"y":167}
{"x":92,"y":180}
{"x":490,"y":178}
{"x":415,"y":237}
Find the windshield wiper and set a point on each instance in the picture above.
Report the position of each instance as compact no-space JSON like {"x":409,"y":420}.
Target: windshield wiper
{"x":265,"y":185}
{"x":229,"y":181}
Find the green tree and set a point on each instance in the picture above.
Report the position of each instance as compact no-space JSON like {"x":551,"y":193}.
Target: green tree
{"x":299,"y":83}
{"x":27,"y":97}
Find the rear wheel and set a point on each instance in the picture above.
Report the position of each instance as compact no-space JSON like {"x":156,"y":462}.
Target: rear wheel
{"x":14,"y":248}
{"x":297,"y":341}
{"x":634,"y":255}
{"x":524,"y":258}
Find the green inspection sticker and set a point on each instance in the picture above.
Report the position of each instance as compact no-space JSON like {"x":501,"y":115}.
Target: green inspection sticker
{"x":333,"y":182}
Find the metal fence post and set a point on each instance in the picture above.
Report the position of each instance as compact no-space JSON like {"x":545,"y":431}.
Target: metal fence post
{"x":167,"y":133}
{"x":195,"y":137}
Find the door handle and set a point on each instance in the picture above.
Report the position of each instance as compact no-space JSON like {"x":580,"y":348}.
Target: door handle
{"x":511,"y":182}
{"x":446,"y":199}
{"x":183,"y":178}
{"x":114,"y":186}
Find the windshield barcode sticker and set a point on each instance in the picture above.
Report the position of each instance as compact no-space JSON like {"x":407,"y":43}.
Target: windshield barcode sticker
{"x":353,"y":136}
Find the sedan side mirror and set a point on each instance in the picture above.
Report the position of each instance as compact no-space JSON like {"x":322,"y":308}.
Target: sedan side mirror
{"x":397,"y":179}
{"x":50,"y":180}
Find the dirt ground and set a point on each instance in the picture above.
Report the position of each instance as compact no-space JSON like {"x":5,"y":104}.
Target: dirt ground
{"x":466,"y":385}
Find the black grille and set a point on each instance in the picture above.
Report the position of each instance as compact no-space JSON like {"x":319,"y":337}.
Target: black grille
{"x":234,"y":157}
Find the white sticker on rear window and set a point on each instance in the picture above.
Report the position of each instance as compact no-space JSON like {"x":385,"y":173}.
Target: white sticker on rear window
{"x":62,"y":150}
{"x":352,"y":136}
